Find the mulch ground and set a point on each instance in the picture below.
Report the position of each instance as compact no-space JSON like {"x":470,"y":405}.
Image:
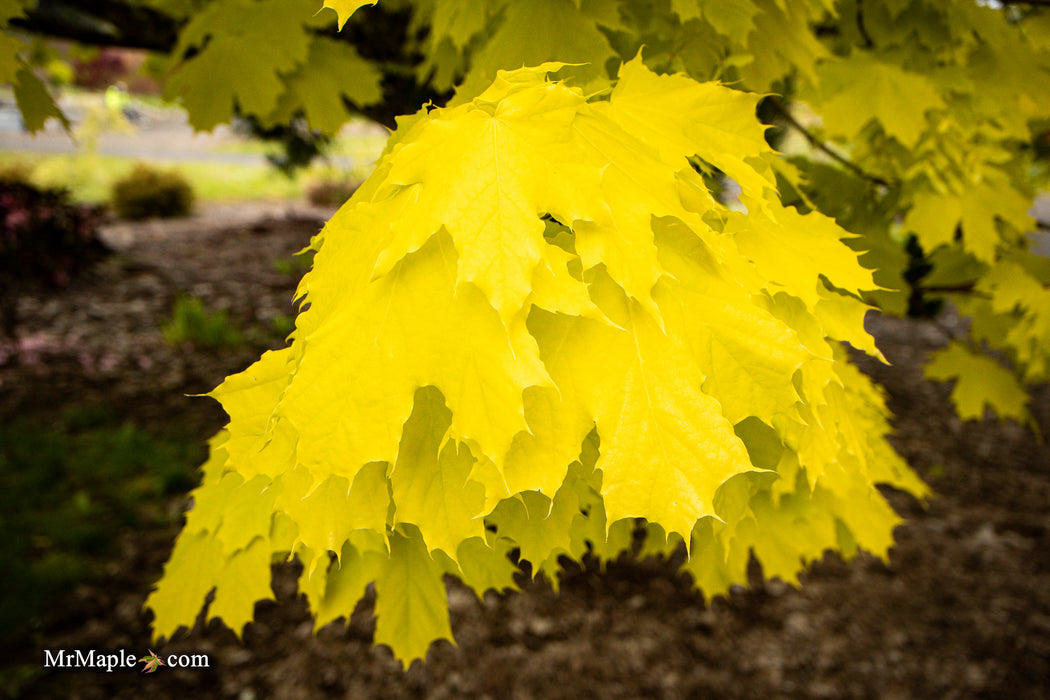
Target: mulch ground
{"x":960,"y":610}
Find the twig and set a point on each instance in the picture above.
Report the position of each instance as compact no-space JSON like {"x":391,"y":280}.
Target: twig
{"x":961,"y":288}
{"x":868,"y":43}
{"x":820,"y":145}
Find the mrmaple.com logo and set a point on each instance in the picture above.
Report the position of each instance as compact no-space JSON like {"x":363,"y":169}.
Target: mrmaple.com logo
{"x":120,"y":659}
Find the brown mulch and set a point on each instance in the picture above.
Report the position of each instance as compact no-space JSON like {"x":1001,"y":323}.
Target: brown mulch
{"x":961,"y":610}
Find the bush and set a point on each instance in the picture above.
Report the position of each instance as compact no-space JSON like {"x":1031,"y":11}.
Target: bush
{"x":45,"y":240}
{"x":147,"y":192}
{"x":19,"y":173}
{"x":330,"y":192}
{"x":99,"y":69}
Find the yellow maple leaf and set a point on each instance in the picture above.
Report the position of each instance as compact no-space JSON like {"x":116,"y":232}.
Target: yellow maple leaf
{"x":346,"y":8}
{"x":666,"y":447}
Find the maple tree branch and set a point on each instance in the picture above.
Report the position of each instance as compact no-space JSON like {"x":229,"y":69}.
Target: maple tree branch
{"x":823,"y":147}
{"x":103,"y":23}
{"x":961,"y":288}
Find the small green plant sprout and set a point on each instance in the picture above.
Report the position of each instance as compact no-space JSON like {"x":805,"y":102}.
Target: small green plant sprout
{"x":294,"y":265}
{"x":282,"y":324}
{"x":192,"y":324}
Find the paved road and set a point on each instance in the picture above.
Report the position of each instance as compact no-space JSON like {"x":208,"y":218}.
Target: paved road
{"x":160,"y":134}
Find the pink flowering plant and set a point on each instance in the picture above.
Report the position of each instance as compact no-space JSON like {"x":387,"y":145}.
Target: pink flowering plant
{"x":45,"y":240}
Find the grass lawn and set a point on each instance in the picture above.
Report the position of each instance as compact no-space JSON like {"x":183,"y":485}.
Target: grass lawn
{"x":90,"y":177}
{"x":71,"y":486}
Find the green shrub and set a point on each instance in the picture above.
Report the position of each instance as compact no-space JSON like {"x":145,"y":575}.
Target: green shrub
{"x":147,"y":192}
{"x":18,"y":173}
{"x":330,"y":192}
{"x":191,"y":323}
